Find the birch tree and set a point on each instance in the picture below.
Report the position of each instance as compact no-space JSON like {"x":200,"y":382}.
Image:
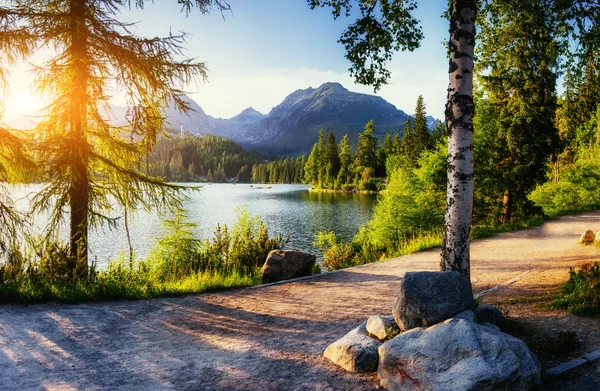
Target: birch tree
{"x":387,"y":26}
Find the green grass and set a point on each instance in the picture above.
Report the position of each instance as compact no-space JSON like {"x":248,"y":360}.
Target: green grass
{"x":581,"y":293}
{"x":343,"y":255}
{"x":178,"y":263}
{"x":105,"y":287}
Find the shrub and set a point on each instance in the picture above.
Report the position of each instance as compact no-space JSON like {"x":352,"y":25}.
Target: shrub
{"x":581,"y":293}
{"x":178,"y":263}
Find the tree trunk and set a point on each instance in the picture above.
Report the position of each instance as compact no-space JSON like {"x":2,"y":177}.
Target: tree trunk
{"x":79,"y":192}
{"x":507,"y":206}
{"x":459,"y":117}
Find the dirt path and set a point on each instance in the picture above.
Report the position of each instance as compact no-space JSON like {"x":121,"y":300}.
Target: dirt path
{"x":269,"y":338}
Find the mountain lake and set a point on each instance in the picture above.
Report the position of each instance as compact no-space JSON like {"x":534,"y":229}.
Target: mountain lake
{"x":289,"y":210}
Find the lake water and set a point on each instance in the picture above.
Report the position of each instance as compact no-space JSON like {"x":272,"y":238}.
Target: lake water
{"x":290,"y":210}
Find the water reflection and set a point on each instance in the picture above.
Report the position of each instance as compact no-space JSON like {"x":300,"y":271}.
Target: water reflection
{"x":290,"y":210}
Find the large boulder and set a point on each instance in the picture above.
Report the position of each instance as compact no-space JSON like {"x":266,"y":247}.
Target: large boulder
{"x":427,"y":298}
{"x":587,"y":237}
{"x":457,"y":355}
{"x":355,"y":351}
{"x":286,"y":264}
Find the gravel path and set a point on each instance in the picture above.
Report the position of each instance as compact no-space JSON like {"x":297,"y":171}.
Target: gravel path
{"x":268,"y":338}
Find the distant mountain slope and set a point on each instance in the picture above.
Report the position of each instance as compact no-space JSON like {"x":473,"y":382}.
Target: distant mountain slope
{"x":291,"y":127}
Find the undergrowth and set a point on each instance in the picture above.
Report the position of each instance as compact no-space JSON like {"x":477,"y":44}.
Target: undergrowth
{"x":581,"y":293}
{"x":178,"y":263}
{"x":341,"y":255}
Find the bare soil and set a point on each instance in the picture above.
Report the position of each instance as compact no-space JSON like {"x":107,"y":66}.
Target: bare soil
{"x":272,"y":338}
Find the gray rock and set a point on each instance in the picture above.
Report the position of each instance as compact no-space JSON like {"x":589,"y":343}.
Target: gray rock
{"x":382,"y":327}
{"x":467,"y":315}
{"x":427,"y":298}
{"x":457,"y":355}
{"x":487,"y":313}
{"x":490,"y":325}
{"x":286,"y":264}
{"x":355,"y":351}
{"x":587,"y":237}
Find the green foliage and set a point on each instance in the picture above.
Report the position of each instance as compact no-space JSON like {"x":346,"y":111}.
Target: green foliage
{"x":413,"y":203}
{"x":366,"y":150}
{"x":280,"y":171}
{"x":581,"y":294}
{"x":576,"y":190}
{"x":383,"y":28}
{"x":178,"y":263}
{"x":192,"y":158}
{"x":519,"y":65}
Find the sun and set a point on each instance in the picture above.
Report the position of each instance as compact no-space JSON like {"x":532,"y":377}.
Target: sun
{"x":23,"y":104}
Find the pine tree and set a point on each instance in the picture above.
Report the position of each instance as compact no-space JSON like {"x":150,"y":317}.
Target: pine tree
{"x":332,"y":159}
{"x":366,"y":150}
{"x":345,"y":163}
{"x":420,"y":128}
{"x":87,"y":159}
{"x":520,"y":56}
{"x":311,"y":168}
{"x":397,"y":143}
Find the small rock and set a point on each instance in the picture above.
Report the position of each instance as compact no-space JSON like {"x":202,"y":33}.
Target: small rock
{"x":457,"y":355}
{"x":287,"y":264}
{"x":597,"y":238}
{"x":355,"y":351}
{"x":427,"y":298}
{"x":588,"y":237}
{"x":487,"y":313}
{"x":467,"y":315}
{"x":382,"y":327}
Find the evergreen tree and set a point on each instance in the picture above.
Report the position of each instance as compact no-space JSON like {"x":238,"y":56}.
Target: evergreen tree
{"x":397,"y":143}
{"x":388,"y":145}
{"x":87,"y":159}
{"x":520,"y":54}
{"x":332,"y":159}
{"x":421,"y":132}
{"x":311,"y":168}
{"x":345,"y":163}
{"x":366,"y":150}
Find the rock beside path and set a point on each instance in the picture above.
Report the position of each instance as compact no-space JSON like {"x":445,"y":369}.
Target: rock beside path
{"x":286,"y":264}
{"x":587,"y":237}
{"x":457,"y":355}
{"x":355,"y":351}
{"x":382,"y":327}
{"x":427,"y":298}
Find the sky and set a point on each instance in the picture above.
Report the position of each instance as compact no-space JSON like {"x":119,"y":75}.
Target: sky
{"x":263,"y":50}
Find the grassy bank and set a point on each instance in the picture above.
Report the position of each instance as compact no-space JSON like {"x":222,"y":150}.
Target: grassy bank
{"x":107,"y":287}
{"x":339,"y":255}
{"x":177,"y":264}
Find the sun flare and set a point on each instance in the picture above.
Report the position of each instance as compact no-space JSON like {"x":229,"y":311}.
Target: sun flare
{"x":23,"y":104}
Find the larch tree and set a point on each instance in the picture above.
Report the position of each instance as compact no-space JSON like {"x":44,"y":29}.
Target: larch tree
{"x":386,"y":26}
{"x":88,"y":162}
{"x":15,"y":165}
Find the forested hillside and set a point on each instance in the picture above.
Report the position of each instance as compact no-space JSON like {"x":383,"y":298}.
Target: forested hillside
{"x":208,"y":158}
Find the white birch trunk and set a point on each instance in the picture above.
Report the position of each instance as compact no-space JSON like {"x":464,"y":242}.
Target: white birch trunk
{"x":459,"y":118}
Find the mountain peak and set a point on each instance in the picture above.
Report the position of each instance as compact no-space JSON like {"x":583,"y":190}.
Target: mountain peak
{"x":251,"y":111}
{"x":248,"y":115}
{"x":332,"y":86}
